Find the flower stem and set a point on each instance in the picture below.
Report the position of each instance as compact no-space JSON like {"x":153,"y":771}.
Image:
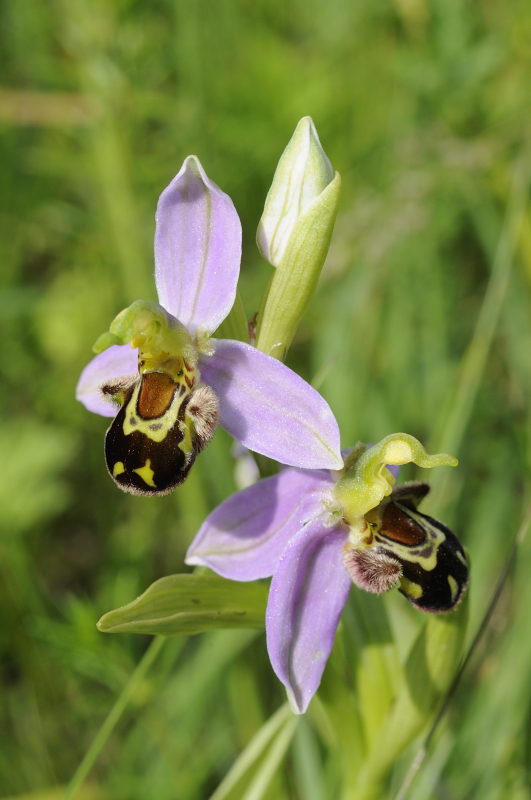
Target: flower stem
{"x":113,"y":717}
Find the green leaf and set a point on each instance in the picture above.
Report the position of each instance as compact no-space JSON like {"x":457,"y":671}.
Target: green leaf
{"x":181,"y":605}
{"x":260,"y":759}
{"x":429,"y":670}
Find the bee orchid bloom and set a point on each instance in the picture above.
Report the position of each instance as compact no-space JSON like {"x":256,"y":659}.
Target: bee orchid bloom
{"x":317,"y":532}
{"x":174,"y":384}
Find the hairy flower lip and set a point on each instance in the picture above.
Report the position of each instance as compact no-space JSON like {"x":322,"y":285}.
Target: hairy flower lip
{"x":263,"y":404}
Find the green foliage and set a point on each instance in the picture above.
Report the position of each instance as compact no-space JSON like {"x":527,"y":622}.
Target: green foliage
{"x":32,"y":489}
{"x":187,"y":604}
{"x":423,"y":108}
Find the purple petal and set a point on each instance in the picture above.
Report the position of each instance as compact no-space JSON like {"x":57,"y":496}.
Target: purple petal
{"x":308,"y":592}
{"x":198,"y":244}
{"x":245,"y":536}
{"x":270,"y":409}
{"x":119,"y":361}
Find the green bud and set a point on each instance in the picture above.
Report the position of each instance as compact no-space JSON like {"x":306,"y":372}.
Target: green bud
{"x":368,"y":480}
{"x":303,"y":172}
{"x":294,"y":235}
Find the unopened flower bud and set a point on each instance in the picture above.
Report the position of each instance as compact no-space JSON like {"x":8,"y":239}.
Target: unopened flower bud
{"x":303,"y":173}
{"x":294,"y":235}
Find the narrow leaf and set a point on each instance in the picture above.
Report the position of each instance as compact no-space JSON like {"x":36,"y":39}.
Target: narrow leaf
{"x":266,"y":773}
{"x":254,"y":751}
{"x":188,"y":604}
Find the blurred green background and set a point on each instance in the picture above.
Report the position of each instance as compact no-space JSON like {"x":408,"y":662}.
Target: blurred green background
{"x":424,"y":108}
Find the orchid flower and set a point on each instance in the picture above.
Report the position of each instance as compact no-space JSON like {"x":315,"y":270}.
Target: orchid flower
{"x":316,"y":532}
{"x":172,"y":386}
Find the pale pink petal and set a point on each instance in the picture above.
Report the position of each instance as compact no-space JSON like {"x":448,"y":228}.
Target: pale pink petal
{"x":119,"y":361}
{"x":270,"y":409}
{"x":244,"y":537}
{"x":308,"y":593}
{"x":197,"y":249}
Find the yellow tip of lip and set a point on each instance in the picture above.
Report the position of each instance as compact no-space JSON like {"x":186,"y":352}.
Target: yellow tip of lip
{"x":146,"y":473}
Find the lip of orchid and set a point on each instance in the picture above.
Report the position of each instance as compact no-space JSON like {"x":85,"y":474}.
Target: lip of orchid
{"x":262,"y":403}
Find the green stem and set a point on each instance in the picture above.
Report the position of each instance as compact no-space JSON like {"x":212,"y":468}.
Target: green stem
{"x":261,"y":310}
{"x":475,"y":358}
{"x":113,"y":717}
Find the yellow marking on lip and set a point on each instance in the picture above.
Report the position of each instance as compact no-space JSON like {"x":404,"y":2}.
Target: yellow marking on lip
{"x":411,"y":588}
{"x":133,"y":422}
{"x":435,"y":538}
{"x":146,"y":473}
{"x":454,"y":587}
{"x":118,"y":469}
